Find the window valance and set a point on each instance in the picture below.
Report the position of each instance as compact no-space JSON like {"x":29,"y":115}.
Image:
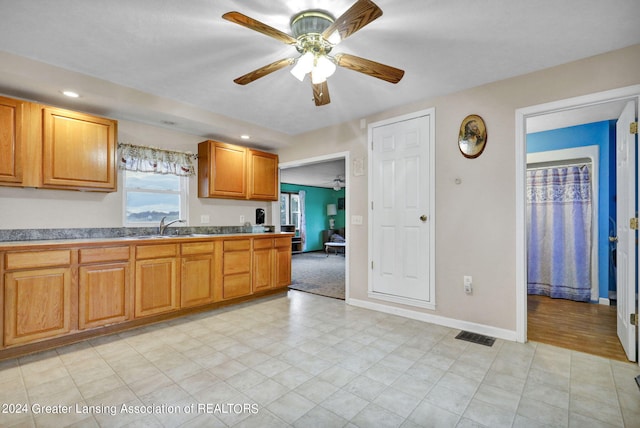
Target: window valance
{"x":152,"y":159}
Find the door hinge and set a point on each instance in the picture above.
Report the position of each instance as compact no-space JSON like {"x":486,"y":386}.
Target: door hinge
{"x":634,"y":319}
{"x":372,"y":264}
{"x":633,"y":223}
{"x":633,"y":128}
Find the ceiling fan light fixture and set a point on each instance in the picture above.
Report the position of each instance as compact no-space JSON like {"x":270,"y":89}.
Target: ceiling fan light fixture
{"x":325,"y":66}
{"x":304,"y":65}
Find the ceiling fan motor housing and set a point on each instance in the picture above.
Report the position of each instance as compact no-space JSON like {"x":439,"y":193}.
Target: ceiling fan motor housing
{"x":307,"y":27}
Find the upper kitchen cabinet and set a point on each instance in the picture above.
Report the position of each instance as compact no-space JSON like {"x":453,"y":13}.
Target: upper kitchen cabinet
{"x":49,"y":147}
{"x":236,"y":172}
{"x":263,"y":176}
{"x":11,"y":140}
{"x":78,"y":150}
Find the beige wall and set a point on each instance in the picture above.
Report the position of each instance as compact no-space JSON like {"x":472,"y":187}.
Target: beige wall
{"x":44,"y":209}
{"x":475,"y":220}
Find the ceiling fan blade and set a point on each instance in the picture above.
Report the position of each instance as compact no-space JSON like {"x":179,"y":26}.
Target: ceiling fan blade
{"x":263,"y":71}
{"x":371,"y":68}
{"x":245,"y":21}
{"x":321,"y":93}
{"x":357,"y":16}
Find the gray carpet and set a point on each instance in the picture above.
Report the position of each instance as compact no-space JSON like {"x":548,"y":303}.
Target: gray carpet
{"x":316,"y":273}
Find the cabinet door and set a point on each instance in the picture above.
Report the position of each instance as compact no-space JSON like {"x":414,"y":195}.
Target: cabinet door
{"x":78,"y":151}
{"x":283,"y":265}
{"x":104,"y":294}
{"x":37,"y":305}
{"x":196,"y":283}
{"x":262,"y":269}
{"x":11,"y":140}
{"x":263,"y":176}
{"x":156,"y":286}
{"x":222,"y":170}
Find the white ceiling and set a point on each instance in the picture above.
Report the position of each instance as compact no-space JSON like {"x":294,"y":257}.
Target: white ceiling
{"x":320,"y":174}
{"x":172,"y":63}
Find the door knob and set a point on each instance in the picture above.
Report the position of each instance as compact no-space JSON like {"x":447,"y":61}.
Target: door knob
{"x":423,"y":218}
{"x":613,"y":239}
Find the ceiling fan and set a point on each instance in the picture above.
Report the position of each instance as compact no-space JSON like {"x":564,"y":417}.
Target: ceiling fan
{"x":338,"y":183}
{"x":315,"y":34}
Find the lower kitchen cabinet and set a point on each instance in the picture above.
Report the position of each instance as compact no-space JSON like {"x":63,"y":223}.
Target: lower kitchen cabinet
{"x":262,"y":264}
{"x":236,"y":268}
{"x":37,"y":305}
{"x":103,"y":294}
{"x":197,"y":279}
{"x":63,"y":290}
{"x":282,"y":261}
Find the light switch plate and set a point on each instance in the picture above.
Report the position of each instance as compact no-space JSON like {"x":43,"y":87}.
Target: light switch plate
{"x":356,"y":219}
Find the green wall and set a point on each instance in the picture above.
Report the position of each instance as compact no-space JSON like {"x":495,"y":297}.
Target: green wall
{"x":317,"y":199}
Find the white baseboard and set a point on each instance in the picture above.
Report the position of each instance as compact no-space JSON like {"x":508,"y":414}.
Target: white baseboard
{"x":604,"y":301}
{"x":437,"y":319}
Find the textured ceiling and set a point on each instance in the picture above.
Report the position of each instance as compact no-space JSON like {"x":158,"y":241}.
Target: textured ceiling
{"x":173,"y":63}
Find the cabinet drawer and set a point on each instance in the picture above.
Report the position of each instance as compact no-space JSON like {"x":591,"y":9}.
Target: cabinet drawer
{"x":236,"y":286}
{"x":37,"y":259}
{"x":260,"y":244}
{"x":109,"y":254}
{"x":239,"y":245}
{"x":236,"y":262}
{"x":197,"y":248}
{"x":156,"y":251}
{"x":282,"y":242}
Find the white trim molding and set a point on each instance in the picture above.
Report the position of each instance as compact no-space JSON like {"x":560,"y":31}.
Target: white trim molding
{"x":487,"y":330}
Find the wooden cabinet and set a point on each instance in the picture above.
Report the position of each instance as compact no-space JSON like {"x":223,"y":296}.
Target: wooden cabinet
{"x":37,"y":295}
{"x":156,"y":279}
{"x":271,"y":263}
{"x":236,"y":172}
{"x":222,"y":170}
{"x":49,"y":147}
{"x":78,"y":150}
{"x":263,"y":176}
{"x":197,"y":279}
{"x":65,"y":289}
{"x":282,"y":262}
{"x":236,"y":268}
{"x":12,"y":136}
{"x":104,"y":286}
{"x":262,"y":264}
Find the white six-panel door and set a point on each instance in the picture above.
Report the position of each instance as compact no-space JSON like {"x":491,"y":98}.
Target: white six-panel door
{"x":626,"y":247}
{"x":401,"y":211}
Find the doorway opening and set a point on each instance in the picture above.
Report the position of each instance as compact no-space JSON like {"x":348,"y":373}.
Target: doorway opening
{"x":322,"y":188}
{"x":558,"y":115}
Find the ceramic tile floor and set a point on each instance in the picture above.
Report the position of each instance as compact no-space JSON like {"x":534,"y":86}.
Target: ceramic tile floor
{"x":308,"y":361}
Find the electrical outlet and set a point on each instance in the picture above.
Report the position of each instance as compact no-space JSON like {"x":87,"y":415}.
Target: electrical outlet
{"x":241,"y":219}
{"x":468,"y":281}
{"x":204,"y":219}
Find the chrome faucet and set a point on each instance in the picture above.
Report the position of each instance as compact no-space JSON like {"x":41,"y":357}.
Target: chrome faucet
{"x":163,"y":226}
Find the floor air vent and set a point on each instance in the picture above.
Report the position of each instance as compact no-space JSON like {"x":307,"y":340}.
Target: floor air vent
{"x":476,"y":338}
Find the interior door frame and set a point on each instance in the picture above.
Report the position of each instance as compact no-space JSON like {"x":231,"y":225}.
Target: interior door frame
{"x":627,"y":93}
{"x":275,"y":206}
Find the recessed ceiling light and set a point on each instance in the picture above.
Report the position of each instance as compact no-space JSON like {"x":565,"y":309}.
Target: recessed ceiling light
{"x":70,"y":94}
{"x":245,"y":137}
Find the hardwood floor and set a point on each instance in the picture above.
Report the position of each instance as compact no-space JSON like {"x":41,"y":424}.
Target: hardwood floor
{"x":579,"y":326}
